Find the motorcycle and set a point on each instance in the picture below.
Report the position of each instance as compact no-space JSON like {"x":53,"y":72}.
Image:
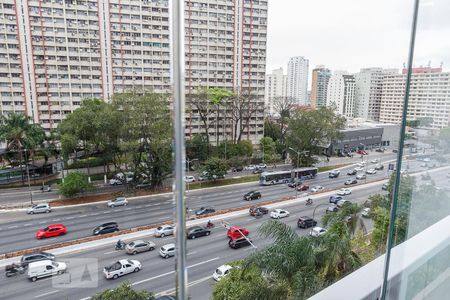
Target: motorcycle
{"x":309,"y":202}
{"x":14,"y":269}
{"x":209,"y":225}
{"x":120,"y":245}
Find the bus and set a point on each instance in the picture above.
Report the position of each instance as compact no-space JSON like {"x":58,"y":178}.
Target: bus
{"x":277,"y":177}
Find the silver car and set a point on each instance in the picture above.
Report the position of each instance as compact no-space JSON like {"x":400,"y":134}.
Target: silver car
{"x":164,"y":230}
{"x":39,"y":208}
{"x":139,"y":246}
{"x":167,"y":251}
{"x":119,"y":201}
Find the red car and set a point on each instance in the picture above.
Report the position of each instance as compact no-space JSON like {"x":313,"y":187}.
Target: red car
{"x":361,"y":152}
{"x":51,"y":230}
{"x":302,"y":187}
{"x":235,"y":232}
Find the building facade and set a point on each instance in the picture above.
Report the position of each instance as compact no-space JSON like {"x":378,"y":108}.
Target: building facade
{"x":319,"y":86}
{"x":341,"y":93}
{"x":54,"y":54}
{"x":368,"y":83}
{"x":297,"y":85}
{"x":429,"y":97}
{"x":276,"y":87}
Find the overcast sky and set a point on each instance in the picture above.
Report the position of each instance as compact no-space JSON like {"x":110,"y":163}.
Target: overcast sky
{"x":353,"y":34}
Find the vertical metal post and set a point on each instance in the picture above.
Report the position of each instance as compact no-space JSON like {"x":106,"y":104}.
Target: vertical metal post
{"x":177,"y":47}
{"x":28,"y":177}
{"x":393,"y":212}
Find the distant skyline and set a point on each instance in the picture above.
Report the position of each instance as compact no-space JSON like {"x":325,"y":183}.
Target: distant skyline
{"x":351,"y":34}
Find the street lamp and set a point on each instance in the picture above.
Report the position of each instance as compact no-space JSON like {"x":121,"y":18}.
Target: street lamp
{"x":298,"y":154}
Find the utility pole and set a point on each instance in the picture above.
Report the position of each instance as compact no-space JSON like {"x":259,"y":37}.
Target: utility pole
{"x":28,"y":177}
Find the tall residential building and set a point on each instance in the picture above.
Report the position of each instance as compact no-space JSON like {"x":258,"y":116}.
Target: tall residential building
{"x":429,"y":96}
{"x":297,"y":85}
{"x":341,"y":93}
{"x":53,"y":54}
{"x":276,"y":87}
{"x":368,"y":93}
{"x":319,"y":86}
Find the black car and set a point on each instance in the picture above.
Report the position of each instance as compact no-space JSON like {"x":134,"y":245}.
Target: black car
{"x":306,"y":222}
{"x":106,"y":228}
{"x":238,"y":243}
{"x":197,"y":231}
{"x":352,"y":172}
{"x":254,"y":210}
{"x":35,"y":256}
{"x":237,"y":169}
{"x":252,"y":195}
{"x":295,"y":183}
{"x":204,"y":211}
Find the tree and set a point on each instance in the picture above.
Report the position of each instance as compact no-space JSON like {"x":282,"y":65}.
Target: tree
{"x":270,"y":149}
{"x":123,"y":292}
{"x":217,"y":97}
{"x":215,"y":168}
{"x":74,"y":183}
{"x":244,"y":107}
{"x":284,"y":106}
{"x":197,"y":148}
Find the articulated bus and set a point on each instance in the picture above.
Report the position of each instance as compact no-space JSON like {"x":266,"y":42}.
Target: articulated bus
{"x":277,"y":177}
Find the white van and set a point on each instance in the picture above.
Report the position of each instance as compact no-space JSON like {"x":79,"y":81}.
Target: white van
{"x":45,"y":268}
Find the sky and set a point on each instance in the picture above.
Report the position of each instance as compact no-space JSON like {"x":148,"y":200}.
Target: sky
{"x":353,"y":34}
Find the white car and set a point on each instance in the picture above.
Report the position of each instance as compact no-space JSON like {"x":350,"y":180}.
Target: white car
{"x":119,"y":201}
{"x":121,"y":267}
{"x":262,"y":166}
{"x":365,"y":212}
{"x":342,"y":202}
{"x":361,"y":176}
{"x":250,"y":167}
{"x":279,"y":213}
{"x":358,"y":169}
{"x":118,"y":179}
{"x":317,"y":231}
{"x":361,"y":164}
{"x":167,"y":251}
{"x":221,"y":272}
{"x":317,"y":188}
{"x":371,"y":171}
{"x":39,"y":208}
{"x":164,"y":230}
{"x":343,"y":192}
{"x":45,"y":268}
{"x":189,"y":179}
{"x":374,"y":161}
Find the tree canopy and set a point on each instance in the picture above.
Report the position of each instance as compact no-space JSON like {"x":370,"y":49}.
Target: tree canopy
{"x":123,"y":292}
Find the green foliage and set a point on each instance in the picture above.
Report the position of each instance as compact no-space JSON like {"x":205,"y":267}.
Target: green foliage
{"x":272,"y":130}
{"x":215,"y":167}
{"x":89,"y":161}
{"x":123,"y":292}
{"x":245,"y":148}
{"x":270,"y":150}
{"x":198,"y":148}
{"x":74,"y":183}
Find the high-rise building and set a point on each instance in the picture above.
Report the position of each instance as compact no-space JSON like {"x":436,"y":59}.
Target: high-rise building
{"x":341,"y":93}
{"x":297,"y":85}
{"x":429,"y":97}
{"x":53,"y":54}
{"x":276,"y":87}
{"x":319,"y":86}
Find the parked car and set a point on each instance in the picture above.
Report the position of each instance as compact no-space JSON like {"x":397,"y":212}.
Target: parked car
{"x":119,"y":178}
{"x":371,"y":172}
{"x":317,"y":188}
{"x":164,"y":230}
{"x":302,"y":187}
{"x":236,"y":232}
{"x":306,"y":222}
{"x":257,"y":171}
{"x":279,"y":213}
{"x":335,"y":199}
{"x":51,"y":230}
{"x":334,"y":174}
{"x":317,"y":231}
{"x":331,"y":208}
{"x":384,"y":187}
{"x":344,"y":192}
{"x":342,"y":202}
{"x":361,"y":176}
{"x":252,"y":195}
{"x":35,"y":256}
{"x":254,"y":210}
{"x":189,"y":179}
{"x":221,"y":272}
{"x":121,"y":267}
{"x":366,"y":212}
{"x":167,"y":251}
{"x":295,"y":183}
{"x":204,"y":211}
{"x":203,"y":176}
{"x":45,"y":268}
{"x":350,"y":181}
{"x":352,"y":172}
{"x":239,"y":243}
{"x":119,"y":201}
{"x":39,"y":208}
{"x":197,"y":231}
{"x":237,"y":169}
{"x":106,"y":228}
{"x":139,"y":246}
{"x":262,"y":166}
{"x":250,"y":167}
{"x":379,"y":167}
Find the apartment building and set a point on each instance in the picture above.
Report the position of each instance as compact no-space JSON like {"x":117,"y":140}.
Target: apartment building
{"x":297,"y":85}
{"x":319,"y":86}
{"x":429,"y":96}
{"x":55,"y":53}
{"x":341,"y":93}
{"x":276,"y":88}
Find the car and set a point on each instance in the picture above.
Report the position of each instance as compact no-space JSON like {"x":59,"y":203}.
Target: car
{"x":379,"y":167}
{"x":279,"y":213}
{"x":237,"y":169}
{"x":342,"y":202}
{"x":317,"y":231}
{"x":221,"y":272}
{"x":359,"y":169}
{"x":119,"y":201}
{"x":361,"y":152}
{"x":295,"y":183}
{"x":167,"y":251}
{"x":334,"y":174}
{"x":257,"y":171}
{"x":262,"y":166}
{"x":139,"y":246}
{"x":317,"y":188}
{"x":39,"y":208}
{"x":197,"y":231}
{"x":350,"y":181}
{"x":306,"y":222}
{"x":51,"y":230}
{"x":189,"y":179}
{"x":204,"y":211}
{"x":119,"y":178}
{"x":352,"y":172}
{"x":239,"y":243}
{"x":374,"y":161}
{"x":35,"y":256}
{"x":106,"y":228}
{"x":332,"y":208}
{"x":252,"y":195}
{"x":335,"y":199}
{"x":250,"y":167}
{"x":365,"y":212}
{"x":236,"y":232}
{"x":384,"y":187}
{"x":361,"y":164}
{"x":45,"y":268}
{"x":302,"y":187}
{"x":121,"y":267}
{"x":361,"y":176}
{"x":381,"y":150}
{"x":344,"y":192}
{"x":371,"y":171}
{"x":203,"y":176}
{"x":164,"y":230}
{"x":254,"y":210}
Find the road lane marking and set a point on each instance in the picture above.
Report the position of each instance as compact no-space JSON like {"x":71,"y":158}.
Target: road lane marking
{"x":70,"y":218}
{"x":46,"y":294}
{"x":191,"y":284}
{"x":203,"y":262}
{"x":56,"y":220}
{"x":110,"y":252}
{"x":14,"y":226}
{"x":82,"y":216}
{"x":28,"y":224}
{"x":193,"y":252}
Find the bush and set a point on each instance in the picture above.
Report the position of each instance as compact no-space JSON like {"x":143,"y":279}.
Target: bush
{"x":123,"y":292}
{"x":75,"y":183}
{"x":89,"y":162}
